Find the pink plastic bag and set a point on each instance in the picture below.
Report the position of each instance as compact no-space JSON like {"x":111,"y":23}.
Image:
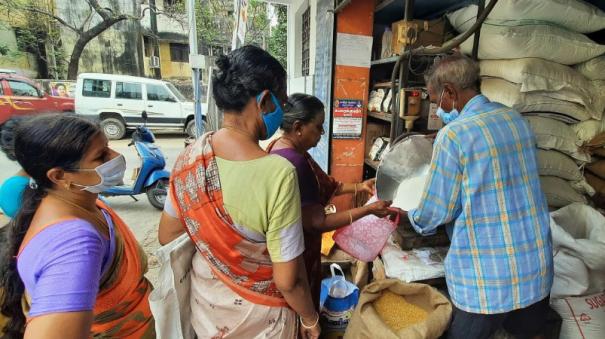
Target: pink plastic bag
{"x":366,"y":237}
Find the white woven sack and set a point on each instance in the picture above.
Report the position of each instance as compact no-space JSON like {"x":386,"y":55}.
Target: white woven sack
{"x":593,"y":69}
{"x":534,"y":41}
{"x":553,"y":134}
{"x":510,"y":94}
{"x":583,"y":317}
{"x":577,"y":16}
{"x":559,"y":192}
{"x":588,"y":129}
{"x":547,"y":78}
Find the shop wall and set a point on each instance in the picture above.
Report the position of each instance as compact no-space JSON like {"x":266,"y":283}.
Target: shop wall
{"x":347,"y":155}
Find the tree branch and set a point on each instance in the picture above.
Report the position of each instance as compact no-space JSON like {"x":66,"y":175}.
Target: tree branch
{"x":104,"y":13}
{"x":50,"y":15}
{"x":88,"y":18}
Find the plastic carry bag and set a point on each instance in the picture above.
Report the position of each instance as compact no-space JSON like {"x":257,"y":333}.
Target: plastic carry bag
{"x":366,"y":237}
{"x":337,"y":301}
{"x":169,"y":301}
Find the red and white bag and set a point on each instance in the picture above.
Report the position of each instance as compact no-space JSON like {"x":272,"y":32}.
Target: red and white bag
{"x":366,"y":237}
{"x":583,"y":317}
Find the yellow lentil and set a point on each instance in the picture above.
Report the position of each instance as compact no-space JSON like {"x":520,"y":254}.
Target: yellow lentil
{"x":396,"y":312}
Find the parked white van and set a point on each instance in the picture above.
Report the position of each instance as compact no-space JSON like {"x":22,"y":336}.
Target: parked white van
{"x":118,"y":101}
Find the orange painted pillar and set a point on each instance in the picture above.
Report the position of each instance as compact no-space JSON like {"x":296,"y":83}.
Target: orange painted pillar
{"x":351,"y":83}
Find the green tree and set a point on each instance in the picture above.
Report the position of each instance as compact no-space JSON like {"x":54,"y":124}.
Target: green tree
{"x":278,"y":41}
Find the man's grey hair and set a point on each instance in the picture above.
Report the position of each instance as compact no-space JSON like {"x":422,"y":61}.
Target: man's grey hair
{"x":458,"y":70}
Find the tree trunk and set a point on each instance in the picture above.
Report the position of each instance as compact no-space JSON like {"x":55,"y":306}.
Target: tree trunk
{"x":74,"y":59}
{"x":83,"y":39}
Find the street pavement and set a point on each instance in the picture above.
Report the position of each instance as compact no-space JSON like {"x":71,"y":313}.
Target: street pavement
{"x":142,"y":218}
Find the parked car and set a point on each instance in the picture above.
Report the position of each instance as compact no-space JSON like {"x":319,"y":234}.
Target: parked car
{"x":20,"y":95}
{"x":117,"y":101}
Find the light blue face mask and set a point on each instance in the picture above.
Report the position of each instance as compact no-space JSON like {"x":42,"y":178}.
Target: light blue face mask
{"x":445,"y":116}
{"x":272,"y":120}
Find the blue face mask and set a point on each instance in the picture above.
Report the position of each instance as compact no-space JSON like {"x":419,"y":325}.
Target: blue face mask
{"x":445,"y":116}
{"x":272,"y":120}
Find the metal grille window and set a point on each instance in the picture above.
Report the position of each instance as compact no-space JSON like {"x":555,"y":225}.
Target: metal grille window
{"x":306,"y":38}
{"x":179,"y":52}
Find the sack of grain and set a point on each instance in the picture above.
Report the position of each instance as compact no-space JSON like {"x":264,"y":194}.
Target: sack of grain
{"x":593,"y":69}
{"x":583,"y":317}
{"x":599,"y":152}
{"x":547,"y":78}
{"x":555,"y":163}
{"x":559,"y":192}
{"x":574,"y":15}
{"x":553,"y":134}
{"x":420,"y":302}
{"x":509,"y":94}
{"x":597,"y":168}
{"x":586,"y":130}
{"x":534,"y":40}
{"x":599,"y":185}
{"x":578,"y":233}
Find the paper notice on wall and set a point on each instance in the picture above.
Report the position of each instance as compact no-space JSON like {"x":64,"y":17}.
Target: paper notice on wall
{"x":353,"y":50}
{"x":348,"y":119}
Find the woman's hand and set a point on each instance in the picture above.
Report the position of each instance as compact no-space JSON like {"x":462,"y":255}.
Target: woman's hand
{"x":310,"y":332}
{"x":368,"y":186}
{"x":380,"y":209}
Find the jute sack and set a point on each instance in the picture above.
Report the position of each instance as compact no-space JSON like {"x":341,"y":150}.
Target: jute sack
{"x":593,"y":69}
{"x":597,"y":168}
{"x":366,"y":323}
{"x":559,"y":192}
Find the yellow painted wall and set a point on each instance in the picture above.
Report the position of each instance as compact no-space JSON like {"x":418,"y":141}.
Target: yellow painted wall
{"x":169,"y":68}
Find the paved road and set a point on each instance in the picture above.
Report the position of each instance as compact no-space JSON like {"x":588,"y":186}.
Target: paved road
{"x":142,"y":218}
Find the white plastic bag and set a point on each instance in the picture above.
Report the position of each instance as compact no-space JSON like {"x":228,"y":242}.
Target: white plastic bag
{"x":415,"y":265}
{"x":169,"y":301}
{"x":578,"y":233}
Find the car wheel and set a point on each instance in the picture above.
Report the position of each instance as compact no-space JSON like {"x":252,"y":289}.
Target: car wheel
{"x":190,"y":129}
{"x":113,"y":128}
{"x":156,"y":193}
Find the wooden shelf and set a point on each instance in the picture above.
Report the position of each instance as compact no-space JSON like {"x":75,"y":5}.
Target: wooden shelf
{"x":390,"y":60}
{"x":381,"y":116}
{"x":372,"y":163}
{"x":386,"y":84}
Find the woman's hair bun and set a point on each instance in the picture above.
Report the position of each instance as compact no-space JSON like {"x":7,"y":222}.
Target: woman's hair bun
{"x":223,"y":64}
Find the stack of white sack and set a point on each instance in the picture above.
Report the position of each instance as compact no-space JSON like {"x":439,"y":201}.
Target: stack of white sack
{"x":522,"y":67}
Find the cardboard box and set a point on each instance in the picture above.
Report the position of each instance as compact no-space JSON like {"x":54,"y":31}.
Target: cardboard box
{"x":427,"y":33}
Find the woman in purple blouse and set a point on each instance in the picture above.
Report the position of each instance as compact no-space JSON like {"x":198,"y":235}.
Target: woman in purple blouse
{"x":303,"y":127}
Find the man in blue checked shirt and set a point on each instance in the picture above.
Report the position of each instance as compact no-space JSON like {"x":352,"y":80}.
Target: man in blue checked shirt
{"x":484,"y":182}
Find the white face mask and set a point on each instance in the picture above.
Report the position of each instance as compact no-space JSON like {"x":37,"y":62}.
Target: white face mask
{"x":111,"y":174}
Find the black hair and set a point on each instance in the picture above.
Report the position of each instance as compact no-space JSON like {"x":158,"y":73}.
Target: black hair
{"x":303,"y":107}
{"x":7,"y":137}
{"x":41,"y":143}
{"x":245,"y":73}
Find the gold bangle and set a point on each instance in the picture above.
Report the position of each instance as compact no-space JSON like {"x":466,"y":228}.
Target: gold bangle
{"x":350,"y":217}
{"x":309,"y":327}
{"x":355,"y":190}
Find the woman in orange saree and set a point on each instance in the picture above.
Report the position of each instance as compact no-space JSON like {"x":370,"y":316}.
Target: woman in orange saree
{"x":241,"y":208}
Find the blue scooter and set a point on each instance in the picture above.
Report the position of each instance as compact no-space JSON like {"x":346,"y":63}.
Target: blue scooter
{"x":152,"y":178}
